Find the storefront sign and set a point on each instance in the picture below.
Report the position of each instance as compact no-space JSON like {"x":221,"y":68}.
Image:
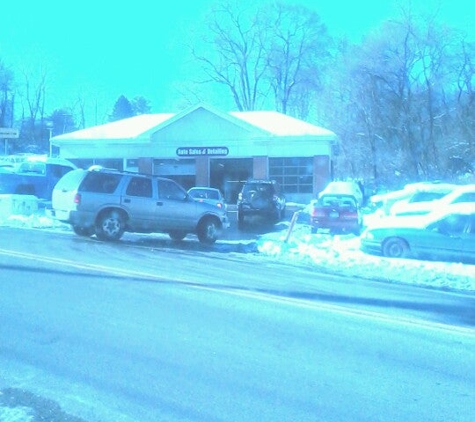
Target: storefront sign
{"x":197,"y":151}
{"x":9,"y":133}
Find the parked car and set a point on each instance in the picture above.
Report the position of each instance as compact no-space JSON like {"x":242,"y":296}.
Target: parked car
{"x":447,"y":234}
{"x":421,"y":197}
{"x":108,"y":203}
{"x":336,"y":213}
{"x":209,"y":195}
{"x":383,"y":202}
{"x":344,"y":188}
{"x":34,"y":175}
{"x":262,"y":198}
{"x":458,"y":194}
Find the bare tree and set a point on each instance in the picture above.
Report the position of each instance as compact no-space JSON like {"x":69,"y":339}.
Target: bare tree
{"x":398,"y":88}
{"x":6,"y":95}
{"x":277,"y":49}
{"x":233,"y":54}
{"x":297,"y":51}
{"x":33,"y":136}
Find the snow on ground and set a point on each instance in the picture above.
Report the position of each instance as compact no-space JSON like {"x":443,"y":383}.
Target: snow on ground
{"x":337,"y":254}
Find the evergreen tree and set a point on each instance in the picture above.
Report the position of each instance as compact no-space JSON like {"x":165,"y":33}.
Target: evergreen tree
{"x":122,"y":109}
{"x":140,"y":105}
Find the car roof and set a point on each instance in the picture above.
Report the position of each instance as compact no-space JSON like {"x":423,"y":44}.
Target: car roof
{"x":100,"y":169}
{"x":421,"y":221}
{"x":48,"y":160}
{"x":203,"y":188}
{"x":435,"y":187}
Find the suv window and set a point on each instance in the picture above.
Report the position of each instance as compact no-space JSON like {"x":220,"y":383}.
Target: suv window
{"x":167,"y":189}
{"x":138,"y":186}
{"x":265,"y":189}
{"x":97,"y":182}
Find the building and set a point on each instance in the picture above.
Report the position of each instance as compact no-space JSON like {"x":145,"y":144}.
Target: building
{"x":202,"y":146}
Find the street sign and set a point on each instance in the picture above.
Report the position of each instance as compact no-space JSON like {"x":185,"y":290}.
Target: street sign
{"x":9,"y":133}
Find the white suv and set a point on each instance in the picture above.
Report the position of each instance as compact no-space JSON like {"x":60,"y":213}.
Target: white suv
{"x":108,"y":203}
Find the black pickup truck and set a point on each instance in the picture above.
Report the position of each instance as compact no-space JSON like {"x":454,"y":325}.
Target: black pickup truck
{"x":36,"y":175}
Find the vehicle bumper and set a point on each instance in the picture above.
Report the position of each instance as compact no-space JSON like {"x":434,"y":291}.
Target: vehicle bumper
{"x":246,"y":210}
{"x":373,"y":248}
{"x":73,"y":217}
{"x":60,"y":215}
{"x":335,"y":225}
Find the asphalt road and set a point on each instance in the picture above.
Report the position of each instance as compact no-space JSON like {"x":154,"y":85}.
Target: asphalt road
{"x":147,"y":330}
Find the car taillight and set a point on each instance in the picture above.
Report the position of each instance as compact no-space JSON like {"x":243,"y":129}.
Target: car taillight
{"x":350,"y":215}
{"x":318,"y":212}
{"x":240,"y":196}
{"x":220,"y":205}
{"x":77,"y":198}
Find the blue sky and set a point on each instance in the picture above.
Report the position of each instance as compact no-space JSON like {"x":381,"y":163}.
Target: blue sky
{"x":100,"y":50}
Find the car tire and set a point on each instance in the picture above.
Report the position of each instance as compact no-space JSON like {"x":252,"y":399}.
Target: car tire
{"x":110,"y":226}
{"x":395,"y":247}
{"x":177,"y":235}
{"x":276,"y":216}
{"x":83,"y":231}
{"x":208,"y":230}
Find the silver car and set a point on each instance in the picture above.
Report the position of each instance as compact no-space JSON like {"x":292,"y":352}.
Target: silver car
{"x":108,"y":203}
{"x":209,"y":195}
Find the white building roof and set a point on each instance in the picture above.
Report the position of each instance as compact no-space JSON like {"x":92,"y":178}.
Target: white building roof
{"x":274,"y":123}
{"x":130,"y":128}
{"x":279,"y":124}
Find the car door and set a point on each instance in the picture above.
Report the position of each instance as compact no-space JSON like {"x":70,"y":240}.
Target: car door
{"x":449,"y":238}
{"x":175,"y":210}
{"x":469,"y":242}
{"x":141,"y":205}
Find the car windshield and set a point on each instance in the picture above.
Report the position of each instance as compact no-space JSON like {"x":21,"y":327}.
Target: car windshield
{"x":341,"y":201}
{"x":204,"y":193}
{"x":427,"y":196}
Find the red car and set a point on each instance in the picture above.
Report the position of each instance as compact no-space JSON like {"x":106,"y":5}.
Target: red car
{"x":336,"y":213}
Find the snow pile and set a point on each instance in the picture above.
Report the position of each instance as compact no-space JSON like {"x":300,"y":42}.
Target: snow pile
{"x":340,"y":254}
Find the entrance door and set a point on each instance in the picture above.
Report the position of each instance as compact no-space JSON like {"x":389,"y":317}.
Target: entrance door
{"x":228,"y":175}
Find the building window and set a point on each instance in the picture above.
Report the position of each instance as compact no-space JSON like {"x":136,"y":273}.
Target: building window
{"x":294,"y":174}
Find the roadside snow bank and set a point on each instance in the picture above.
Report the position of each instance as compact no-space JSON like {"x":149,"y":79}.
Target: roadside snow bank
{"x":340,"y":254}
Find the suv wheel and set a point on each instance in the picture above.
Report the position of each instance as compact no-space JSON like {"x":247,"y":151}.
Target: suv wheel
{"x":83,"y":231}
{"x":177,"y":235}
{"x":208,"y":231}
{"x":110,"y":225}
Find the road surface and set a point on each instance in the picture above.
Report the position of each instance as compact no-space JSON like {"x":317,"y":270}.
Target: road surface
{"x":147,"y":331}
